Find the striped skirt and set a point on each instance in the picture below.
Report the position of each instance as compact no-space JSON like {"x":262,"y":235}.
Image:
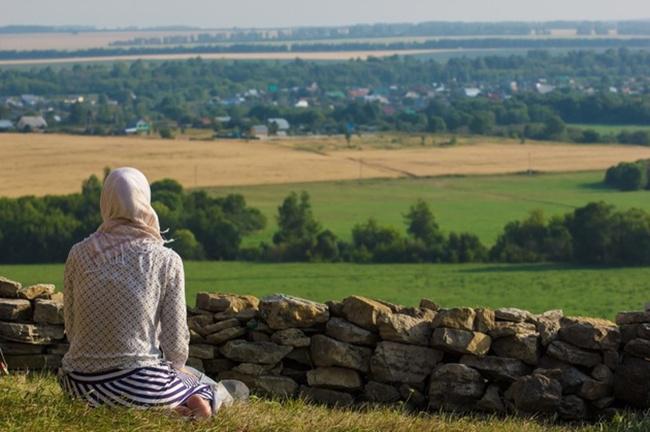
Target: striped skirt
{"x":148,"y":387}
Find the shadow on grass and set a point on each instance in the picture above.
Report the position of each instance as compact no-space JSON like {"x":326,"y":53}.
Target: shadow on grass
{"x":543,"y":267}
{"x":597,"y":186}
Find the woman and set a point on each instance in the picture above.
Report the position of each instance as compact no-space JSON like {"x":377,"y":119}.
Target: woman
{"x":125,"y":314}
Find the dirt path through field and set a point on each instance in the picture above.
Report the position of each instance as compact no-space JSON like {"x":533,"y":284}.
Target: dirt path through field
{"x":55,"y":164}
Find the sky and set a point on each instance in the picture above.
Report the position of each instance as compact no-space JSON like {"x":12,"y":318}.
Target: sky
{"x":287,"y":13}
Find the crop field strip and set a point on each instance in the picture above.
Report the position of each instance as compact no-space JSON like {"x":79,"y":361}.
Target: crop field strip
{"x":56,"y":164}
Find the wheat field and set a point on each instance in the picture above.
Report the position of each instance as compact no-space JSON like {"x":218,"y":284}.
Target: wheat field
{"x":39,"y":164}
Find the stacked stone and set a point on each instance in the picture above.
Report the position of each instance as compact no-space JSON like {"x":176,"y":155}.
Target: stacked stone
{"x":632,"y":379}
{"x":31,"y":326}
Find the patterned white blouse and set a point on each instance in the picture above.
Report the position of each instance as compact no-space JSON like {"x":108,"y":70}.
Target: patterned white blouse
{"x":126,"y":312}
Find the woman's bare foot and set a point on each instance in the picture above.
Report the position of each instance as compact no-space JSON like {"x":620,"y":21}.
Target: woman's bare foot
{"x":199,"y":407}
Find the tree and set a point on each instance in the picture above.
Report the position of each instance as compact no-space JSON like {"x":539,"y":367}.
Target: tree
{"x":422,"y":225}
{"x":295,"y":219}
{"x":482,"y":122}
{"x":186,"y":245}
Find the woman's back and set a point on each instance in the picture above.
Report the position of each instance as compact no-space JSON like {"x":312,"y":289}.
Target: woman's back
{"x":121,"y":308}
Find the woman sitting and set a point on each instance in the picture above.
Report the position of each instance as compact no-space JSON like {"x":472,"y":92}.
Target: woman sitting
{"x":125,"y":313}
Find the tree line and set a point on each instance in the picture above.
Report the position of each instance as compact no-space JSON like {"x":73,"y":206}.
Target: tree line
{"x":212,"y":228}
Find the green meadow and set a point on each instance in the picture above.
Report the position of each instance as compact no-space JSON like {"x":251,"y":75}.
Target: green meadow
{"x":478,"y":204}
{"x":600,"y":292}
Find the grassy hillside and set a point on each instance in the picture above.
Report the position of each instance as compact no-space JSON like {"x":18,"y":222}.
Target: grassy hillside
{"x":479,"y":204}
{"x":37,"y":404}
{"x":577,"y":290}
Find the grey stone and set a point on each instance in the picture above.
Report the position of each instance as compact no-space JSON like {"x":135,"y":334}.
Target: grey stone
{"x":301,"y":356}
{"x":58,"y":349}
{"x":36,"y":291}
{"x":499,"y":369}
{"x":345,"y":331}
{"x":484,"y":321}
{"x":31,"y":333}
{"x":230,"y":304}
{"x":33,"y":362}
{"x":221,"y":325}
{"x":196,"y":363}
{"x":364,"y":312}
{"x":253,"y":369}
{"x":258,"y":352}
{"x":335,"y":307}
{"x":291,"y":337}
{"x":202,"y":351}
{"x":461,"y":341}
{"x":326,"y":351}
{"x":603,"y":403}
{"x":570,"y":354}
{"x":644,"y":331}
{"x":572,"y":408}
{"x":638,"y":348}
{"x":491,"y":401}
{"x":593,"y":390}
{"x":632,"y":318}
{"x":216,"y":366}
{"x":48,"y":312}
{"x":335,"y":378}
{"x":629,"y":332}
{"x":282,"y":312}
{"x":611,"y":359}
{"x":428,"y":304}
{"x":15,"y":310}
{"x":199,"y":322}
{"x":548,"y":326}
{"x":9,"y":288}
{"x":502,"y":329}
{"x":225,"y":335}
{"x":326,"y":396}
{"x":15,"y":348}
{"x":256,"y":336}
{"x":513,"y":315}
{"x":590,"y":333}
{"x":404,"y":329}
{"x":380,"y":393}
{"x":603,"y":373}
{"x":524,"y":347}
{"x":399,"y":363}
{"x":457,"y":318}
{"x":536,"y":394}
{"x":456,"y":387}
{"x":276,"y":386}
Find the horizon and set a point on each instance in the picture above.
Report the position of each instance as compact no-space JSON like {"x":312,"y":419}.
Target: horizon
{"x":206,"y":14}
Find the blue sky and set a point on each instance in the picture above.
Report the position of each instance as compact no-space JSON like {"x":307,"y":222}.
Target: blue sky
{"x":278,"y":13}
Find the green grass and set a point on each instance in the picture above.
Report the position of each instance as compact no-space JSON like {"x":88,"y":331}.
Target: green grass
{"x":600,"y":292}
{"x":35,"y":403}
{"x":478,"y":204}
{"x":610,"y":129}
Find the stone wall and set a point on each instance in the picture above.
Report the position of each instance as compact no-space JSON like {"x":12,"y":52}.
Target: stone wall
{"x":361,"y":350}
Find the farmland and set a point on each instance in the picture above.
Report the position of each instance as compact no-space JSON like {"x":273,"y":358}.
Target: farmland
{"x":57,"y":164}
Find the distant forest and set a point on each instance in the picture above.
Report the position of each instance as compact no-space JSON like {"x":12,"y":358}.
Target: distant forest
{"x":431,"y":28}
{"x":433,"y":44}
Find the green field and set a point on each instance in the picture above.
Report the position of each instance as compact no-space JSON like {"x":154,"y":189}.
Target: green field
{"x":478,"y":204}
{"x":598,"y":292}
{"x":610,"y":129}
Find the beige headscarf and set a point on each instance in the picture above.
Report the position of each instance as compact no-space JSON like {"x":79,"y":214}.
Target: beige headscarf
{"x":127,"y":214}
